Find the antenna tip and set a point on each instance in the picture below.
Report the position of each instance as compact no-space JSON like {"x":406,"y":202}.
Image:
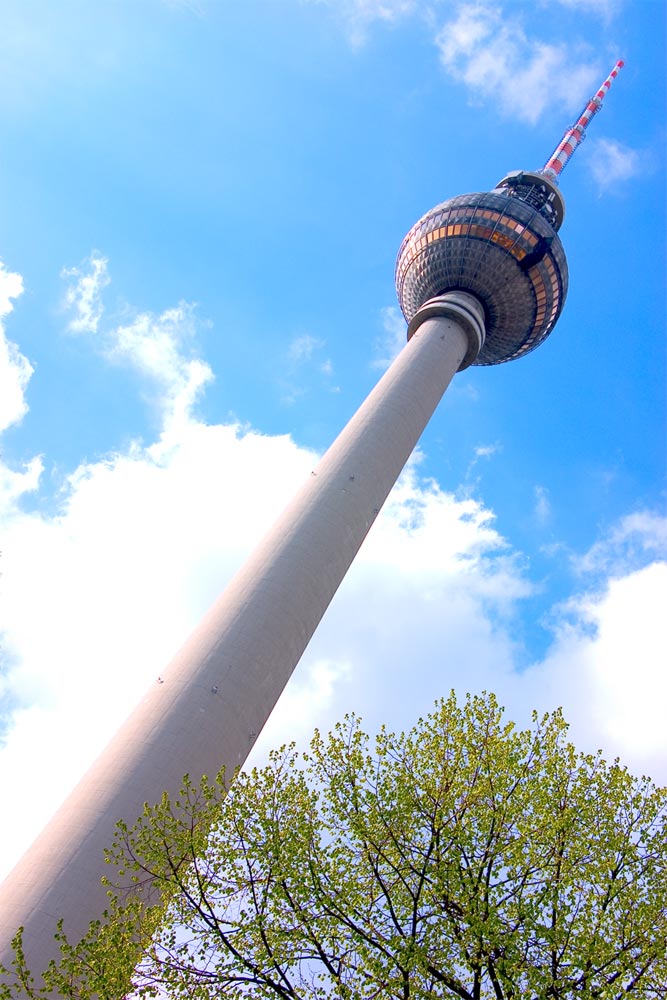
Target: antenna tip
{"x":620,"y":64}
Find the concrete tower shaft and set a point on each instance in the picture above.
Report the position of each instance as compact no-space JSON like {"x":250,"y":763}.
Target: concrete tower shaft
{"x":219,"y":690}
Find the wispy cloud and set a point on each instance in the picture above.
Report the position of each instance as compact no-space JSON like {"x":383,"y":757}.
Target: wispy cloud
{"x":487,"y":48}
{"x":486,"y":450}
{"x":612,"y":162}
{"x":359,"y":15}
{"x":603,"y":8}
{"x":481,"y":453}
{"x":303,"y":347}
{"x":194,"y":6}
{"x":634,"y":541}
{"x":304,"y":355}
{"x":492,"y":48}
{"x":392,"y":340}
{"x":160,"y":347}
{"x":542,"y":505}
{"x":83,"y":295}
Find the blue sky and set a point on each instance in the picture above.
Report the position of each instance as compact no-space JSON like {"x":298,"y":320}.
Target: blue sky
{"x":200,"y":208}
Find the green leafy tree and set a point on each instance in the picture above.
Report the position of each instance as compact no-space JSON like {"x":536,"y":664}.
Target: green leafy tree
{"x":462,"y":859}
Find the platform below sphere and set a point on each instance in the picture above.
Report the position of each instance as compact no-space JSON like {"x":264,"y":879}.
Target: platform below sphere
{"x":497,"y":248}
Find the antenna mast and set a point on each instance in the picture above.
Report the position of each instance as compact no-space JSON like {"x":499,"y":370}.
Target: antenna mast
{"x":576,"y":134}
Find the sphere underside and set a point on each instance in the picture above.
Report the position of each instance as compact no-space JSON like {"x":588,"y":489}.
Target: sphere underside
{"x":500,"y":250}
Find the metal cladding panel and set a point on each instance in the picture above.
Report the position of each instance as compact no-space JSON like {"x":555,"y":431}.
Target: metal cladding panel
{"x":497,"y":248}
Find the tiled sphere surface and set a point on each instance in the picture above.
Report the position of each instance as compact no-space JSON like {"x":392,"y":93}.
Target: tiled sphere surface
{"x":497,"y":248}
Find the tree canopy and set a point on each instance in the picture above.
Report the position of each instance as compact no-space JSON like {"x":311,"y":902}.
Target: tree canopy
{"x":465,"y":858}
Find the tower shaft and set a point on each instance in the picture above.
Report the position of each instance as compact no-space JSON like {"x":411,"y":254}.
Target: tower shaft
{"x":219,"y":690}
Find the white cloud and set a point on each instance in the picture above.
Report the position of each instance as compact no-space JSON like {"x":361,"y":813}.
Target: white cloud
{"x":159,"y":347}
{"x":15,"y":373}
{"x":486,"y":48}
{"x":15,"y":369}
{"x":611,"y":162}
{"x":626,"y":662}
{"x":393,"y":339}
{"x":83,"y":296}
{"x":607,"y":661}
{"x":11,"y":286}
{"x":607,"y":667}
{"x":14,"y":485}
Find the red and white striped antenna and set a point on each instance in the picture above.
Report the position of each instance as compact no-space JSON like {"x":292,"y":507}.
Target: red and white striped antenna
{"x":576,"y":134}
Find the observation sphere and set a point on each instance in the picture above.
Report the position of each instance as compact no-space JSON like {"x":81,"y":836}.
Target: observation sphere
{"x":500,"y":246}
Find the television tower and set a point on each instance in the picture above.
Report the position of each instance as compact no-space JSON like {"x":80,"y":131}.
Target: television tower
{"x":481,"y":279}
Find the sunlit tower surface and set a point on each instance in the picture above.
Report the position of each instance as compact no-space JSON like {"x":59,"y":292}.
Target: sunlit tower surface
{"x":481,"y":279}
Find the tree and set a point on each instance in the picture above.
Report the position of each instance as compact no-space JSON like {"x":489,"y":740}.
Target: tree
{"x":462,"y":859}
